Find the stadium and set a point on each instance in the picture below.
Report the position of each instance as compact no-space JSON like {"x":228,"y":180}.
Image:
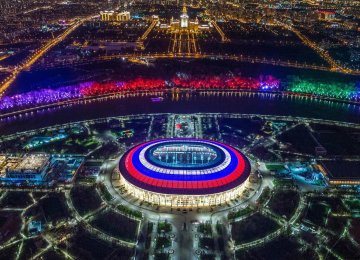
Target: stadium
{"x":184,"y":172}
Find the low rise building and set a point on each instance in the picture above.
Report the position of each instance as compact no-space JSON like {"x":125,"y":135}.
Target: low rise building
{"x":31,"y":167}
{"x":113,"y":16}
{"x":38,"y":169}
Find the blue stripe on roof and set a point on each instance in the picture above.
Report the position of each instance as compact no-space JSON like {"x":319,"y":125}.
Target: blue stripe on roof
{"x":182,"y":177}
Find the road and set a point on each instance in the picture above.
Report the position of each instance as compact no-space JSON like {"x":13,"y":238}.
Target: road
{"x":40,"y":53}
{"x":335,"y":66}
{"x":212,"y":56}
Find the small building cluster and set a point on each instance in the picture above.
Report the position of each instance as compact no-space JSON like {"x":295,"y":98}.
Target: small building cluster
{"x":305,"y":173}
{"x":320,"y":173}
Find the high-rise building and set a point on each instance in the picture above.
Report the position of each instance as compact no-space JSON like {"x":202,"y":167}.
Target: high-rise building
{"x":184,"y":18}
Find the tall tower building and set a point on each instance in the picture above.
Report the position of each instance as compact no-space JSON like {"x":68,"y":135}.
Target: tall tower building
{"x":184,"y":18}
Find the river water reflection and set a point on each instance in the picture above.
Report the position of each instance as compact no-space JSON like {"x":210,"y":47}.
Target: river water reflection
{"x":183,"y":103}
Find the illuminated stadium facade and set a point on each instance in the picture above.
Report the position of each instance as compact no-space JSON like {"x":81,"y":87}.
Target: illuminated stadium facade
{"x":184,"y":172}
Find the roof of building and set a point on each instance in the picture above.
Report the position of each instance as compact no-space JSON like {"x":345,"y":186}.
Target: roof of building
{"x":179,"y":173}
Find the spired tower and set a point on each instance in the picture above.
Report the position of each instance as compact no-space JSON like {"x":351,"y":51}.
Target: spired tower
{"x":184,"y":18}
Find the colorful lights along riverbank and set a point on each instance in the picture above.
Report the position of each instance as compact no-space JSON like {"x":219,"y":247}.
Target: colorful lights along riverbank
{"x":338,"y":90}
{"x":346,"y":91}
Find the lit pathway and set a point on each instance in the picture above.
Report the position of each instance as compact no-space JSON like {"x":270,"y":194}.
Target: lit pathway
{"x":93,"y":230}
{"x":222,"y":34}
{"x":140,"y":41}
